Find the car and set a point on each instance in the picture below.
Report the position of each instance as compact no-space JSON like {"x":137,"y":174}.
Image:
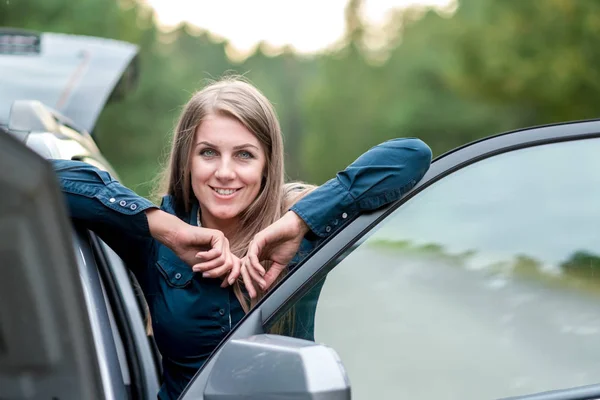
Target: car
{"x":76,"y":75}
{"x":481,"y":282}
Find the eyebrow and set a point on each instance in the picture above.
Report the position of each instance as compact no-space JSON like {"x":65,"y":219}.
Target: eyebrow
{"x":242,"y":146}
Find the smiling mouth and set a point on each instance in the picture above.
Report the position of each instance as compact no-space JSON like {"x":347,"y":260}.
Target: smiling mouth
{"x":224,"y":192}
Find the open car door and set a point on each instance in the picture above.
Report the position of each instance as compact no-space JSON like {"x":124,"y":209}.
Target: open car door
{"x":46,"y":345}
{"x":482,"y":282}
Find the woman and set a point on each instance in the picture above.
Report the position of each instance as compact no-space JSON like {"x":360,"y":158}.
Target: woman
{"x":224,"y":187}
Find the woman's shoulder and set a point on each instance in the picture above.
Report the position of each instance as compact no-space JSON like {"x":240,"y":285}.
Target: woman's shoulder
{"x":169,"y":205}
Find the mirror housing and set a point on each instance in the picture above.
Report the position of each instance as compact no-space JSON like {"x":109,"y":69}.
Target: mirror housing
{"x":277,"y":367}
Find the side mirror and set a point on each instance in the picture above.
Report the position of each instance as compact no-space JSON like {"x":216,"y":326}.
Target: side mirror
{"x":277,"y":367}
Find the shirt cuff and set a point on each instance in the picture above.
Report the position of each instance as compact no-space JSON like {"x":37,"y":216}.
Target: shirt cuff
{"x":123,"y":200}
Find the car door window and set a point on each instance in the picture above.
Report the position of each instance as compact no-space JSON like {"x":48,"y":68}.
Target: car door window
{"x":485,"y":284}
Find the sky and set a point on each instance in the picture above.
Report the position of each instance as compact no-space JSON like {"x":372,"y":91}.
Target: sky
{"x":308,"y":26}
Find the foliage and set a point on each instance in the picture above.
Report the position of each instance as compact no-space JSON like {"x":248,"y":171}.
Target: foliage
{"x":446,"y":77}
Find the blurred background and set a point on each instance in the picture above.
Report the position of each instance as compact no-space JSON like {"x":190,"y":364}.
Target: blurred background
{"x":343,"y":74}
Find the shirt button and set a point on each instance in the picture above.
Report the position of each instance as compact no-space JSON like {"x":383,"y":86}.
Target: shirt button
{"x":328,"y":229}
{"x":335,"y":222}
{"x":223,"y":329}
{"x":112,"y":200}
{"x":177,"y":275}
{"x":344,"y":215}
{"x":122,"y":203}
{"x":133,"y":206}
{"x":222,"y":312}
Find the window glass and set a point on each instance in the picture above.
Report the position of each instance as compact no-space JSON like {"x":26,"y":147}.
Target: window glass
{"x":484,"y":285}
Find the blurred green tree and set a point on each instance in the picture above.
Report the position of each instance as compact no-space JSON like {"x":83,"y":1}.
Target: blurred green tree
{"x":447,"y":76}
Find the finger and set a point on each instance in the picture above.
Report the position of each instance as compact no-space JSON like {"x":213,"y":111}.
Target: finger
{"x":209,"y":255}
{"x":254,"y":247}
{"x":218,"y":244}
{"x":219,"y":240}
{"x":233,"y":274}
{"x":254,"y":250}
{"x":216,"y":272}
{"x":207,"y":266}
{"x":272,"y":275}
{"x":224,"y":244}
{"x":248,"y":282}
{"x":228,"y":259}
{"x":254,"y":274}
{"x":235,"y":271}
{"x":225,"y":282}
{"x":256,"y":265}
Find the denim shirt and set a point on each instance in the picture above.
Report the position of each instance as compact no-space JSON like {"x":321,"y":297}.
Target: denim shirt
{"x":191,"y":314}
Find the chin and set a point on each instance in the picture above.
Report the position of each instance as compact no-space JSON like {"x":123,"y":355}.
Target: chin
{"x":225,"y":215}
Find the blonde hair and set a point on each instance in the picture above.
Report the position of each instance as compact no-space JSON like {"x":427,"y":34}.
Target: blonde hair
{"x":236,"y":98}
{"x":293,"y":192}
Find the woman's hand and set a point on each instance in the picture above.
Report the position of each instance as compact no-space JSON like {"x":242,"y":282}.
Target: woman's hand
{"x":205,"y":250}
{"x":234,"y":272}
{"x":278,"y":243}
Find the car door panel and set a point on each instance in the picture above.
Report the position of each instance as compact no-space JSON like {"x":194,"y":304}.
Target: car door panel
{"x":128,"y":321}
{"x":48,"y":349}
{"x":336,"y":249}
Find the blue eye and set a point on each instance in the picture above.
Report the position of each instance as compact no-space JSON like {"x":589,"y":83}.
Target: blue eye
{"x":246,"y":155}
{"x":208,"y":153}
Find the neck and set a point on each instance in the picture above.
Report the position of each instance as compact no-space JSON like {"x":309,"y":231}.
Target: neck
{"x":229,"y":227}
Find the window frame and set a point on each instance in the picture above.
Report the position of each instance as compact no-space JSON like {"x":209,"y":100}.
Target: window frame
{"x":143,"y":365}
{"x":331,"y":253}
{"x":106,"y":348}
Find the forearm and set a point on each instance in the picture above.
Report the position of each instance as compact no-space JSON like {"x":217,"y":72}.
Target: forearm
{"x":378,"y":177}
{"x":95,"y":199}
{"x":163,"y":226}
{"x":99,"y":203}
{"x":297,"y":224}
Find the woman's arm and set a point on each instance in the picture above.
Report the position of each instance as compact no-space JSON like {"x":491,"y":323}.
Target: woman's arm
{"x":128,"y":222}
{"x":378,"y":177}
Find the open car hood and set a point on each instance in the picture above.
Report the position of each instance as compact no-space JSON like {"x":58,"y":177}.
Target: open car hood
{"x":74,"y":75}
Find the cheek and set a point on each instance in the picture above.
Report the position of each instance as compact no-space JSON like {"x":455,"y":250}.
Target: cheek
{"x":200,"y":171}
{"x":253,"y":179}
{"x":199,"y":176}
{"x":254,"y":176}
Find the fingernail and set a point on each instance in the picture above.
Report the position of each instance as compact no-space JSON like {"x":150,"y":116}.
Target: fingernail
{"x":205,"y":275}
{"x":231,"y":281}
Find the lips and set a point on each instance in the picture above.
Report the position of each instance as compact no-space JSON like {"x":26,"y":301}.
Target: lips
{"x":224,"y":191}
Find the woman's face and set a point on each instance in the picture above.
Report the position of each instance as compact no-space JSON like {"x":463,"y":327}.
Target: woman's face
{"x":227,"y":167}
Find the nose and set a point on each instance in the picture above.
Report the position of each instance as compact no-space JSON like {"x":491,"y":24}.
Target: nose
{"x":225,"y":170}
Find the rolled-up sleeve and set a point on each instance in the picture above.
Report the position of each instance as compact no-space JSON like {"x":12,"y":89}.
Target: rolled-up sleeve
{"x":89,"y":190}
{"x":101,"y":204}
{"x":378,"y":177}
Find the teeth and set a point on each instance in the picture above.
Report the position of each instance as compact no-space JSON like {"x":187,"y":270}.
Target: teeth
{"x":225,"y":192}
